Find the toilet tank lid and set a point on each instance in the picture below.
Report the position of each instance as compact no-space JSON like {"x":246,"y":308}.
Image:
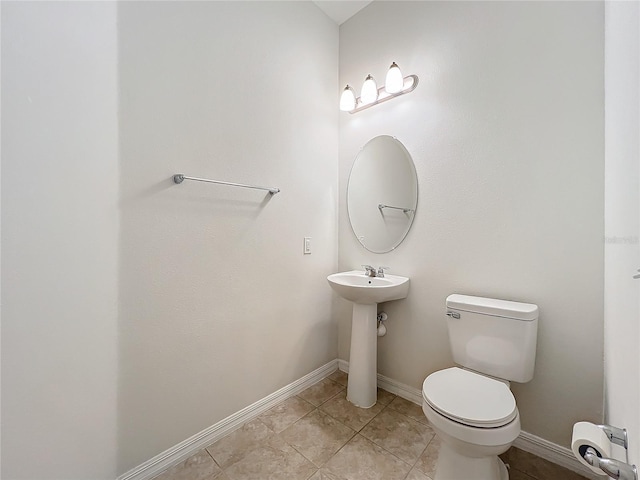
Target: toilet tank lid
{"x":492,"y":306}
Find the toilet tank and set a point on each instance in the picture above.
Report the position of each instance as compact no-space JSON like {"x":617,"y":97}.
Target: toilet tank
{"x":494,"y":337}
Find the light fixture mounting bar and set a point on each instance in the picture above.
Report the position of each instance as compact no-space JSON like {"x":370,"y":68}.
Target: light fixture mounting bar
{"x":410,"y":84}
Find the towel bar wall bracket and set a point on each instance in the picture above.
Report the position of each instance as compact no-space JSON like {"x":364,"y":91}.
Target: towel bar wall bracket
{"x":179,"y":178}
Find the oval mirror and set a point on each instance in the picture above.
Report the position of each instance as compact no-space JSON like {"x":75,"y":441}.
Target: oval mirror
{"x":382,"y":194}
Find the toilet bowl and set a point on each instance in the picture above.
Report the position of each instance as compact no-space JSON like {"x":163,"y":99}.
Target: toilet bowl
{"x":476,"y":420}
{"x":470,"y":406}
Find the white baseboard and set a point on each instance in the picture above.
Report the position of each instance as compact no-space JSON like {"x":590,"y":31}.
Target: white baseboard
{"x":400,"y":389}
{"x":206,"y":437}
{"x":554,"y":453}
{"x":343,"y":366}
{"x":526,"y":441}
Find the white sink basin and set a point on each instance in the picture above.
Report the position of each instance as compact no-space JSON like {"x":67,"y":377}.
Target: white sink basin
{"x":359,"y":288}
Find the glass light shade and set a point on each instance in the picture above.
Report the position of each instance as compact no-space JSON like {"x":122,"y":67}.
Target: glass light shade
{"x":369,"y":92}
{"x":347,"y":99}
{"x":394,"y":82}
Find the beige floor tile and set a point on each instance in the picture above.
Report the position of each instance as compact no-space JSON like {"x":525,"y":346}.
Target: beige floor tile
{"x":384,"y":397}
{"x":324,"y":474}
{"x":518,"y":475}
{"x":236,"y":445}
{"x":409,"y":409}
{"x":539,"y":468}
{"x":361,"y":459}
{"x":197,"y":467}
{"x":285,"y":414}
{"x":416,"y":474}
{"x":317,"y":436}
{"x":398,"y":434}
{"x":339,"y":377}
{"x":427,"y":461}
{"x":312,"y":435}
{"x":273,"y":460}
{"x":321,"y":392}
{"x":346,"y":412}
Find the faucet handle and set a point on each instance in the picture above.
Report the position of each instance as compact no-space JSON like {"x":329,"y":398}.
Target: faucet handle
{"x":369,"y":270}
{"x":381,"y":271}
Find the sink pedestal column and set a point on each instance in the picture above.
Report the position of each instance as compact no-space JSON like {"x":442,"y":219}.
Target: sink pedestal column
{"x":362,"y":387}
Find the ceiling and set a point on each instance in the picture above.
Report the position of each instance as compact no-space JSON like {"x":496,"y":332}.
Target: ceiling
{"x":341,"y":10}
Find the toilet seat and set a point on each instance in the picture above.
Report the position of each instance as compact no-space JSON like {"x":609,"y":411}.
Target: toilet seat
{"x":469,"y":398}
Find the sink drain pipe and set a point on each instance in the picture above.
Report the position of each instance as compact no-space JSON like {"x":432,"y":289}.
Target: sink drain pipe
{"x":382,"y":330}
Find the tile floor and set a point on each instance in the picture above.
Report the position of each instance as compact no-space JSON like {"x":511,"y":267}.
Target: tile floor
{"x":319,"y":435}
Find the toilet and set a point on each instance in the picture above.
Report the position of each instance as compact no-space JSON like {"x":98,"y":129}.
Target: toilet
{"x":470,"y":406}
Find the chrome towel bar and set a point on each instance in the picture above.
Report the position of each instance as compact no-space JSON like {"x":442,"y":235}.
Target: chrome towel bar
{"x":405,"y":210}
{"x":179,"y":178}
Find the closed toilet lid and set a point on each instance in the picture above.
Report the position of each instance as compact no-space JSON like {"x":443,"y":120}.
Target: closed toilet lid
{"x":469,"y":398}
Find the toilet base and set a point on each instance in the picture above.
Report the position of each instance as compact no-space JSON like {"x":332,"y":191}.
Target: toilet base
{"x":453,"y":466}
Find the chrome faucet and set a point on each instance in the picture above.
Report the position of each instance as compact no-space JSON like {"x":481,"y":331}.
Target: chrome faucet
{"x":369,"y":271}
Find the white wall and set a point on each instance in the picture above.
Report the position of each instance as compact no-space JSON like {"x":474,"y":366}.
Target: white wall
{"x":506,"y":131}
{"x":622,"y":210}
{"x":0,"y":247}
{"x":59,"y":240}
{"x":219,"y":307}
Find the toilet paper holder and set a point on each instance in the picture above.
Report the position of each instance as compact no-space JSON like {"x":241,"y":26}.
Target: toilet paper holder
{"x":617,"y":435}
{"x":614,"y":468}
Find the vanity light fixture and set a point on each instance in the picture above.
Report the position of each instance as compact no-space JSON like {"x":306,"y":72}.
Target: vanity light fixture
{"x":371,"y":95}
{"x":347,"y":99}
{"x":369,"y":92}
{"x":394,"y":81}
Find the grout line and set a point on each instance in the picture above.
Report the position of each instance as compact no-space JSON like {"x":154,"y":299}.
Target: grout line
{"x":214,"y":460}
{"x":359,"y":432}
{"x":390,"y":453}
{"x":381,"y":446}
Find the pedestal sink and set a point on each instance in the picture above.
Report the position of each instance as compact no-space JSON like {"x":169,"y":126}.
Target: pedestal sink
{"x":365,"y":292}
